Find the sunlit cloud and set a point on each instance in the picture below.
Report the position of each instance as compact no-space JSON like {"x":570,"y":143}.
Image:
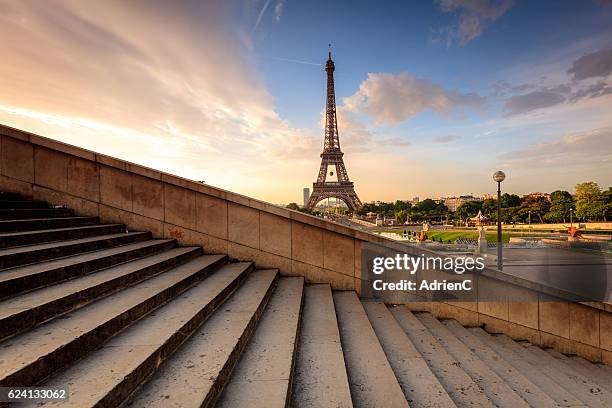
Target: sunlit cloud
{"x":394,"y":98}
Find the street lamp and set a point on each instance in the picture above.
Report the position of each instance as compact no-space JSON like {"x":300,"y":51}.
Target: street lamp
{"x":499,"y":176}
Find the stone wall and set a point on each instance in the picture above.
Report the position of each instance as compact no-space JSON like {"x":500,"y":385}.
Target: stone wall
{"x":247,"y":229}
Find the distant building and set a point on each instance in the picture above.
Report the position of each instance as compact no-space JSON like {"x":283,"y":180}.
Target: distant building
{"x":306,"y":195}
{"x":415,"y":200}
{"x":538,"y":195}
{"x":452,"y":203}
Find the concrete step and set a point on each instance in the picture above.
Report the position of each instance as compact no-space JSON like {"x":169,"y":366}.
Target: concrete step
{"x":15,"y":204}
{"x":264,"y":373}
{"x":457,"y":383}
{"x":29,"y":254}
{"x":198,"y":372}
{"x":586,"y":368}
{"x":493,"y":386}
{"x":28,"y":310}
{"x":23,"y":278}
{"x":320,"y":378}
{"x":517,"y":381}
{"x":536,"y":375}
{"x":370,"y":376}
{"x":109,"y":375}
{"x":46,"y":223}
{"x":30,"y":357}
{"x":15,"y":239}
{"x":6,"y":196}
{"x":584,"y":389}
{"x":28,"y":213}
{"x":420,"y":385}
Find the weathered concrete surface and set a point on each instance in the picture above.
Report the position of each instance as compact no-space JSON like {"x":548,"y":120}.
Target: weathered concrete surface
{"x":195,"y":376}
{"x":536,"y":375}
{"x":27,"y":277}
{"x":517,"y":381}
{"x":11,"y":257}
{"x":13,"y":239}
{"x":320,"y":375}
{"x":420,"y":385}
{"x":459,"y":386}
{"x":493,"y":386}
{"x":34,"y":307}
{"x":371,"y":378}
{"x":263,"y":375}
{"x":45,"y":223}
{"x":109,"y":375}
{"x":587,"y":391}
{"x":30,"y":357}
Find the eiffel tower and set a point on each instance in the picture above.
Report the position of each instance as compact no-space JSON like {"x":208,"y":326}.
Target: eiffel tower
{"x":343,"y":188}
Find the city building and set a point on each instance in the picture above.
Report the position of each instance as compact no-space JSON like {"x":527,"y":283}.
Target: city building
{"x":538,"y":195}
{"x":306,"y":193}
{"x":454,"y":202}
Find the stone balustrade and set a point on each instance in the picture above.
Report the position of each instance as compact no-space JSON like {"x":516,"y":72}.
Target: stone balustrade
{"x":274,"y":237}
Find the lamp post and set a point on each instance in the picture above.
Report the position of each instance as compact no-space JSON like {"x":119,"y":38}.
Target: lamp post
{"x":529,"y":217}
{"x":499,"y":176}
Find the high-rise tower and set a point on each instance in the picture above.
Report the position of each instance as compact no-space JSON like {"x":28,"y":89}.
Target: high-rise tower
{"x":342,"y":188}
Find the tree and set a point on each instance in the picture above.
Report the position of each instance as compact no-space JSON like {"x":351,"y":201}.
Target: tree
{"x":537,"y":206}
{"x":561,"y":202}
{"x":510,"y":200}
{"x":426,"y":205}
{"x":468,"y":209}
{"x":401,"y":205}
{"x":590,"y":202}
{"x":489,"y":208}
{"x":608,"y":200}
{"x":293,"y":206}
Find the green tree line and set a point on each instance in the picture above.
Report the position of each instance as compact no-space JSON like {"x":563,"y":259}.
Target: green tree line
{"x":588,"y":203}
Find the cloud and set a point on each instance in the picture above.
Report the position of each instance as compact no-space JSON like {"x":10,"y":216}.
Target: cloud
{"x":394,"y":98}
{"x":590,"y":146}
{"x":503,"y":88}
{"x":357,"y":137}
{"x":262,"y":11}
{"x":592,"y":91}
{"x":535,"y":100}
{"x":595,"y":64}
{"x":474,"y":15}
{"x":98,"y":74}
{"x":278,"y":10}
{"x":446,"y":139}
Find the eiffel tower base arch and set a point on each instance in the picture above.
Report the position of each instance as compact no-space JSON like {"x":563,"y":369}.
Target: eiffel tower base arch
{"x":341,"y":191}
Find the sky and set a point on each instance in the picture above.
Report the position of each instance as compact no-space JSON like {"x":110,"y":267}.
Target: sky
{"x":432,"y":97}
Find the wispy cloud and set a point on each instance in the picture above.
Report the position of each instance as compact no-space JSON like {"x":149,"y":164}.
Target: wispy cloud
{"x":278,"y":10}
{"x":446,"y":139}
{"x":473,"y":15}
{"x":277,"y":13}
{"x":297,"y":61}
{"x":262,"y":11}
{"x":572,"y":148}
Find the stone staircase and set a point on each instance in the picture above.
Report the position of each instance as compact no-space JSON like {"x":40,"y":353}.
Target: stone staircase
{"x":123,"y":319}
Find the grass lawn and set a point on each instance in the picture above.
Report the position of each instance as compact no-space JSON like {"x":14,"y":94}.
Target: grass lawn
{"x":453,"y":235}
